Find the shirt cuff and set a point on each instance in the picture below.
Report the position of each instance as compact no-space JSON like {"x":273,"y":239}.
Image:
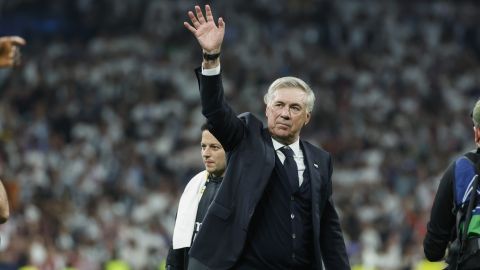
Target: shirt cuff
{"x":211,"y":71}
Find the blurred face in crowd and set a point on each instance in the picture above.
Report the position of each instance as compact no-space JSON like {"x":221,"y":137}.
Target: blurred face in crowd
{"x":287,"y":114}
{"x":213,"y":154}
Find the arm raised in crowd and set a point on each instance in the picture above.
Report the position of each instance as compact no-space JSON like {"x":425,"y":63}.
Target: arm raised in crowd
{"x":9,"y":56}
{"x":9,"y":50}
{"x":208,"y":35}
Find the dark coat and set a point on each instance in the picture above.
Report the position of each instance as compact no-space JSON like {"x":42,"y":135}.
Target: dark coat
{"x":250,"y":163}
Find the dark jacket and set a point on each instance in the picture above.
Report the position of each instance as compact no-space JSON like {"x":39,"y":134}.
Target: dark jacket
{"x":250,"y":162}
{"x":448,"y":199}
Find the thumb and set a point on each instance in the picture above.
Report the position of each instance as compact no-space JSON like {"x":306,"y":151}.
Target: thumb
{"x":221,"y":23}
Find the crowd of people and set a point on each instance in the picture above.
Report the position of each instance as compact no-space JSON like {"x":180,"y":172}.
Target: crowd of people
{"x":99,"y":127}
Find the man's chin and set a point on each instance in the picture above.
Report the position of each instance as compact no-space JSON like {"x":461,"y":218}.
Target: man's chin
{"x":284,"y":138}
{"x":281,"y":134}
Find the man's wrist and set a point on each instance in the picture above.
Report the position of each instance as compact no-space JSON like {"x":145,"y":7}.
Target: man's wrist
{"x":211,"y":59}
{"x":211,"y":56}
{"x":208,"y":64}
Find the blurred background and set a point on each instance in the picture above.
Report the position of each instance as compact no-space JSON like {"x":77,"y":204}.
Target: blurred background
{"x":100,"y":125}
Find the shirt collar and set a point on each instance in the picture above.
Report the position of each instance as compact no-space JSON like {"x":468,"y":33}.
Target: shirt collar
{"x":294,"y":146}
{"x":215,"y":179}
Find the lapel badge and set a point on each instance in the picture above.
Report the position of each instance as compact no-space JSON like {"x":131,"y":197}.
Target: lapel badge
{"x":315,"y":165}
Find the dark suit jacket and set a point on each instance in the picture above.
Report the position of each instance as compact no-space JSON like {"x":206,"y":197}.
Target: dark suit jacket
{"x":250,"y":162}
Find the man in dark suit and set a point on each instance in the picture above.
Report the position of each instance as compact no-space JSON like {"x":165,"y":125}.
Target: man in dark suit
{"x":274,"y":209}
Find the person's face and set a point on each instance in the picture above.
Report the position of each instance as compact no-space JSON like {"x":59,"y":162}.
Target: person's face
{"x":213,"y":154}
{"x":476,"y":133}
{"x":287,"y":114}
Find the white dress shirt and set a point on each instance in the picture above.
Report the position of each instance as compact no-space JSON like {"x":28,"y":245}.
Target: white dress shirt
{"x":297,"y":156}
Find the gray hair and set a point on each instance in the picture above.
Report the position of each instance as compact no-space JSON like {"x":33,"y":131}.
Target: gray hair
{"x":476,"y":114}
{"x":290,"y":82}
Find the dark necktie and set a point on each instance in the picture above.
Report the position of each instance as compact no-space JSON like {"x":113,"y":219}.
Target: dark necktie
{"x":290,"y":166}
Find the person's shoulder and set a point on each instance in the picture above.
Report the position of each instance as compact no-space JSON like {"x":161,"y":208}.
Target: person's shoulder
{"x":199,"y":176}
{"x":248,"y":116}
{"x":196,"y":180}
{"x":473,"y":155}
{"x":469,"y":161}
{"x":250,"y":119}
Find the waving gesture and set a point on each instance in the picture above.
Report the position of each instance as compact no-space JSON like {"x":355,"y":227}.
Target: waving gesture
{"x":9,"y":51}
{"x":209,"y":36}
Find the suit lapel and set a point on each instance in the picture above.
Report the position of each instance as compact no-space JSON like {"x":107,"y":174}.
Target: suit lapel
{"x":269,"y":151}
{"x":316,"y":175}
{"x":317,"y":178}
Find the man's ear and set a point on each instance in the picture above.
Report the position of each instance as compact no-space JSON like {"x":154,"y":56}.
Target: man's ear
{"x":476,"y":134}
{"x":308,"y":118}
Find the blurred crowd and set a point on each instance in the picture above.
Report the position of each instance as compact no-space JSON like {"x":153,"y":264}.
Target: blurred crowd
{"x":100,"y":126}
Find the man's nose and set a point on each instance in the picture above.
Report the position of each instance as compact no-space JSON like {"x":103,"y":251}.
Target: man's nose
{"x":285,"y":112}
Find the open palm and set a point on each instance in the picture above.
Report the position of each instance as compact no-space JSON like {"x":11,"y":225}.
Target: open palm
{"x":9,"y":51}
{"x":209,"y":36}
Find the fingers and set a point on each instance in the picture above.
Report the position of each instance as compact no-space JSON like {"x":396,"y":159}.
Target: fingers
{"x":12,"y":40}
{"x":194,"y":20}
{"x":208,"y":13}
{"x":189,"y":27}
{"x":221,"y":23}
{"x":16,"y":40}
{"x":13,"y":58}
{"x":10,"y":56}
{"x":13,"y":52}
{"x":16,"y":55}
{"x":10,"y":51}
{"x":200,"y":17}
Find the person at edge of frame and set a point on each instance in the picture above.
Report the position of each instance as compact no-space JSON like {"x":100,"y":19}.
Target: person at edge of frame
{"x":9,"y":56}
{"x":453,"y":195}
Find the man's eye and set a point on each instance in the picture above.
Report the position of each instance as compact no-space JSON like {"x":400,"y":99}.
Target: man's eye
{"x":296,"y":109}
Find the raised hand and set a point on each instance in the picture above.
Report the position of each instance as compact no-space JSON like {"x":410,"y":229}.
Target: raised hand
{"x":9,"y":51}
{"x":209,"y":36}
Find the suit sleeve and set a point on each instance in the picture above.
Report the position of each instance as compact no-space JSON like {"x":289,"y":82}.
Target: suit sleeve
{"x":442,"y":219}
{"x":334,"y":253}
{"x":176,"y":259}
{"x":222,"y":120}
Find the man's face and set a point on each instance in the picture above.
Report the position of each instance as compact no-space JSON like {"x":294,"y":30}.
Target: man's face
{"x":213,"y":154}
{"x":476,"y":133}
{"x":287,"y":114}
